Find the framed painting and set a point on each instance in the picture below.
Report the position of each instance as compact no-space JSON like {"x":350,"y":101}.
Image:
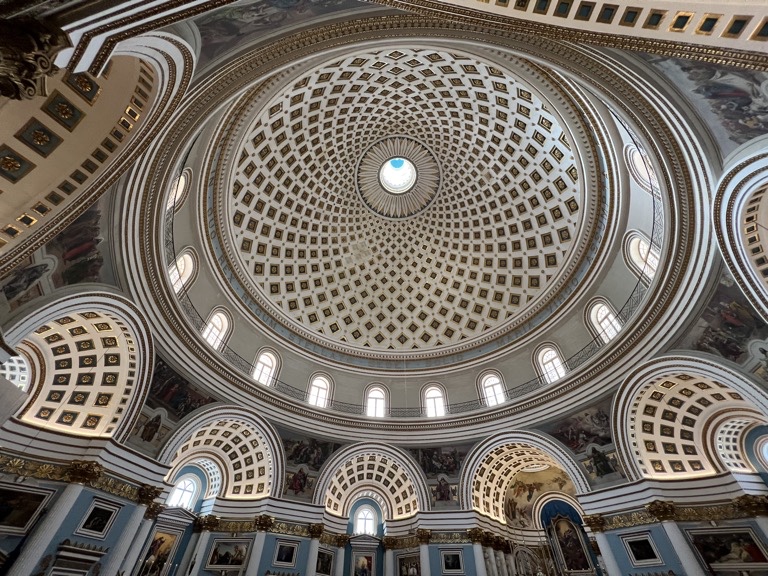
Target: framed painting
{"x":641,"y":549}
{"x":324,"y":565}
{"x":285,"y":553}
{"x":228,"y":553}
{"x":409,"y":565}
{"x":571,"y":546}
{"x":362,"y":564}
{"x":19,"y":509}
{"x":160,"y":552}
{"x":98,"y":520}
{"x":729,"y":550}
{"x":451,"y":561}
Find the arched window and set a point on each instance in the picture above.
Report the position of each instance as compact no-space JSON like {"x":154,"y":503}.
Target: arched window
{"x":641,"y":169}
{"x":184,"y":493}
{"x":16,"y":370}
{"x":365,"y":521}
{"x":493,"y":390}
{"x":182,"y":271}
{"x":604,"y":321}
{"x":550,"y":364}
{"x":216,"y":330}
{"x":318,"y":391}
{"x":178,"y":191}
{"x":265,"y":369}
{"x":434,"y":402}
{"x":375,"y":403}
{"x":641,"y":256}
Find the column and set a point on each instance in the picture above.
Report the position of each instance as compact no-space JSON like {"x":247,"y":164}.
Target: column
{"x":341,"y":545}
{"x":501,"y":565}
{"x":665,"y":513}
{"x":205,"y":525}
{"x":137,"y":544}
{"x":145,"y":497}
{"x":596,"y":523}
{"x":423,"y":536}
{"x":476,"y":537}
{"x":186,"y":559}
{"x":389,"y":543}
{"x":511,"y":570}
{"x":490,"y":560}
{"x":263,"y":525}
{"x":315,"y":531}
{"x":79,"y":473}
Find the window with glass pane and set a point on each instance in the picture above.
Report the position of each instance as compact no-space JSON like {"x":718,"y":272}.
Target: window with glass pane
{"x":216,"y":330}
{"x":181,"y":272}
{"x":493,"y":390}
{"x":434,"y":402}
{"x":264,"y":369}
{"x":606,"y":322}
{"x":551,"y":364}
{"x":318,"y":392}
{"x":365,"y":521}
{"x":375,"y":405}
{"x":644,"y":258}
{"x":183,"y":494}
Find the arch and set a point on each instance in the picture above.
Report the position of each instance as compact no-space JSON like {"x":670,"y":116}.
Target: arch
{"x":221,"y":432}
{"x":601,"y":319}
{"x":639,"y":255}
{"x":549,"y":363}
{"x":376,"y":400}
{"x":319,"y":391}
{"x":491,"y":389}
{"x":16,"y":370}
{"x":366,"y":520}
{"x":217,"y":328}
{"x":641,"y":169}
{"x":186,"y":490}
{"x":505,"y":454}
{"x":378,"y":469}
{"x":179,"y":190}
{"x":83,"y":336}
{"x":267,"y":366}
{"x":183,"y":270}
{"x":434,"y":400}
{"x":687,"y":396}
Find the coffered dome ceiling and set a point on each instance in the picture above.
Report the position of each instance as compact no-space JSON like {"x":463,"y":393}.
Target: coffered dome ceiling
{"x":405,"y":202}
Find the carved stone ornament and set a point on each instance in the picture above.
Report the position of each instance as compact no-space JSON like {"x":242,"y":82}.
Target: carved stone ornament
{"x":342,"y":540}
{"x":423,"y":535}
{"x":207,"y":523}
{"x":389,"y":542}
{"x":475,"y":535}
{"x":662,"y":510}
{"x":595,"y":522}
{"x":26,"y":56}
{"x":146,"y":494}
{"x":84,"y":471}
{"x":752,"y":504}
{"x":264,"y":523}
{"x":154,"y":509}
{"x":315,"y":530}
{"x":488,"y":539}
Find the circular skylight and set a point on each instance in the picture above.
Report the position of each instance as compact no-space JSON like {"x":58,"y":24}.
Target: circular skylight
{"x":397,"y":175}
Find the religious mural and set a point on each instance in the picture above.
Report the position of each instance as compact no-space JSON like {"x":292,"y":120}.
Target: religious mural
{"x":602,"y":465}
{"x":526,"y":487}
{"x":443,"y":460}
{"x":590,"y":426}
{"x":174,"y":394}
{"x":151,"y":430}
{"x":222,"y":30}
{"x":304,"y":456}
{"x":732,"y":101}
{"x":727,"y":325}
{"x":571,"y":546}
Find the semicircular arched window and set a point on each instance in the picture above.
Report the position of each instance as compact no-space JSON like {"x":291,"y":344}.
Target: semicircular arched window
{"x":217,"y":329}
{"x":642,"y":258}
{"x":182,"y":271}
{"x":16,"y":370}
{"x":184,"y":493}
{"x":375,"y":403}
{"x":365,"y":521}
{"x":493,"y":390}
{"x":604,"y":321}
{"x":434,"y":402}
{"x":318,"y":391}
{"x":550,"y":364}
{"x":265,"y":369}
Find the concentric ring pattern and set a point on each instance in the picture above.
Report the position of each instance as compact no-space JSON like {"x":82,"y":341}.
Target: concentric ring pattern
{"x":321,"y":259}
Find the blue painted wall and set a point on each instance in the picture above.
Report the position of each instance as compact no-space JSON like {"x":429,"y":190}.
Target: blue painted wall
{"x":670,"y":561}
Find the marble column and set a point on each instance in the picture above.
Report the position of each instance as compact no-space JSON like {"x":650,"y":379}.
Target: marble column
{"x":205,"y":525}
{"x":501,"y":563}
{"x":476,"y":537}
{"x":596,"y":523}
{"x":79,"y":473}
{"x":118,"y":552}
{"x":263,"y":525}
{"x":341,"y":544}
{"x":664,"y":512}
{"x":315,"y":531}
{"x":131,"y":559}
{"x":424,"y":536}
{"x":509,"y":557}
{"x":189,"y":554}
{"x":389,"y":544}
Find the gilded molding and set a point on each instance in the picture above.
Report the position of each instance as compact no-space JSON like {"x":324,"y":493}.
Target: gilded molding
{"x":475,"y":535}
{"x":661,"y":510}
{"x":389,"y":542}
{"x":153,"y":511}
{"x":342,"y":540}
{"x":146,"y":494}
{"x":264,"y":523}
{"x":595,"y":522}
{"x":423,"y":535}
{"x":84,"y":472}
{"x":315,"y":530}
{"x":208,"y":523}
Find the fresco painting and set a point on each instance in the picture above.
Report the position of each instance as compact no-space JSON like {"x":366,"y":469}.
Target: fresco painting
{"x":300,"y":484}
{"x":174,"y":393}
{"x":602,"y":465}
{"x":726,"y":325}
{"x":590,"y":426}
{"x":732,"y":101}
{"x":151,"y":430}
{"x":730,"y":551}
{"x":571,"y":545}
{"x":444,"y":460}
{"x":223,"y":30}
{"x":309,"y":452}
{"x":526,"y":487}
{"x":443,"y":492}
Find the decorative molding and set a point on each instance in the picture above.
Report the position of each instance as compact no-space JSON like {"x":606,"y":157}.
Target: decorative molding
{"x":208,"y":523}
{"x":154,"y":510}
{"x":390,"y":542}
{"x":315,"y":530}
{"x":264,"y":523}
{"x":661,"y":510}
{"x":476,"y":535}
{"x":26,"y":56}
{"x":595,"y":522}
{"x":146,"y":494}
{"x":423,"y":535}
{"x":342,"y":540}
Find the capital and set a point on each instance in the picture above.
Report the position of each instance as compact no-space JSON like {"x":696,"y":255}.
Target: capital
{"x":475,"y":535}
{"x":661,"y":510}
{"x":207,"y":523}
{"x":389,"y":542}
{"x":595,"y":522}
{"x":342,"y":540}
{"x":423,"y":535}
{"x":154,"y":509}
{"x":84,"y":471}
{"x":264,"y":523}
{"x":315,"y":530}
{"x":147,"y":494}
{"x":752,"y":504}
